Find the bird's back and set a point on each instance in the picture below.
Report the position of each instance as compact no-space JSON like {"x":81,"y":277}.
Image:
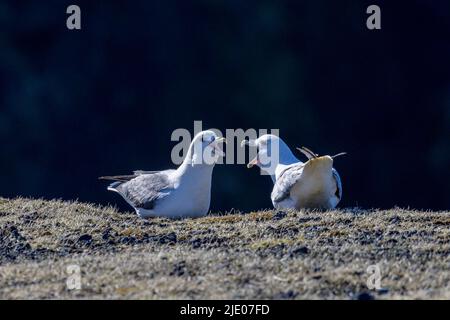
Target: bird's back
{"x":307,"y":186}
{"x":145,"y":190}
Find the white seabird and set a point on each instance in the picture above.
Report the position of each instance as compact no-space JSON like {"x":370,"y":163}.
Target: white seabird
{"x":313,"y":184}
{"x":184,"y":192}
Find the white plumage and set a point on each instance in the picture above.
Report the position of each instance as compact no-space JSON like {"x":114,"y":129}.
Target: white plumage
{"x":311,"y":184}
{"x":184,"y":192}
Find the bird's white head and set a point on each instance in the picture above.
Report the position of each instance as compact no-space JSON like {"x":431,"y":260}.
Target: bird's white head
{"x":204,"y":148}
{"x":271,"y":151}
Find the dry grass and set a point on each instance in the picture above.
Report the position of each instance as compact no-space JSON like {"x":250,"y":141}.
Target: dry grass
{"x":260,"y":255}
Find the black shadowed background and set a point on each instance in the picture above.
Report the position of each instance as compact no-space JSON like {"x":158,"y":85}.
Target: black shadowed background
{"x":104,"y":100}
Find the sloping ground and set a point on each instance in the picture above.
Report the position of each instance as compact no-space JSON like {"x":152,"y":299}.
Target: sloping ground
{"x":260,"y":255}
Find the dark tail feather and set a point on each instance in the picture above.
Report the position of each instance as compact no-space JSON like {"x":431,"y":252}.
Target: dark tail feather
{"x":119,"y":178}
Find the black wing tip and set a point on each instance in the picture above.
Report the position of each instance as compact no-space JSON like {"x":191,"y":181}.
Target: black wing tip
{"x":124,"y":178}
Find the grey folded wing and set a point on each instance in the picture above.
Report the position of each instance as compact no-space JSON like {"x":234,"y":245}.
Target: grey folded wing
{"x":136,"y":173}
{"x":283,"y":185}
{"x":337,"y":178}
{"x":146,"y":189}
{"x":140,"y":172}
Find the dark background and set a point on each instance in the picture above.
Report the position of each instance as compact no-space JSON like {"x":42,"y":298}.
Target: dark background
{"x":76,"y":105}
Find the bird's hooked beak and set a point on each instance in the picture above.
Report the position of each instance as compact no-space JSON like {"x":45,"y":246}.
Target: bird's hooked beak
{"x":215,"y":145}
{"x":251,"y":143}
{"x":252,"y":163}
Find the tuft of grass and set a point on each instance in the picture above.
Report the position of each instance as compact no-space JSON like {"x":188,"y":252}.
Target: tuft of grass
{"x":260,"y":255}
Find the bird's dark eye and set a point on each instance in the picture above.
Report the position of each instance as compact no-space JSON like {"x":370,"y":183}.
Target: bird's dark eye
{"x":207,"y":139}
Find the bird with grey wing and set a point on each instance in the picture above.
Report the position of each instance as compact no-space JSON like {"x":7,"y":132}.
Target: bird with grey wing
{"x":176,"y":193}
{"x":311,"y":184}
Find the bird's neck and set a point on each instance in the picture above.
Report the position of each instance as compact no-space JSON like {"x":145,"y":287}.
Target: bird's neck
{"x":195,"y":180}
{"x":286,"y":159}
{"x":189,"y":167}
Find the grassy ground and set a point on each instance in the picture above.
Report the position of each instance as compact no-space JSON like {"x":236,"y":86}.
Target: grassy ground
{"x":267,"y":255}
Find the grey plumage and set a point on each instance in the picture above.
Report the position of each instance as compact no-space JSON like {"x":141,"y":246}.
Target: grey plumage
{"x":312,"y":184}
{"x":122,"y":178}
{"x":142,"y":190}
{"x":175,"y":193}
{"x":128,"y":177}
{"x":288,"y":178}
{"x":139,"y":172}
{"x":338,"y":184}
{"x":291,"y":176}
